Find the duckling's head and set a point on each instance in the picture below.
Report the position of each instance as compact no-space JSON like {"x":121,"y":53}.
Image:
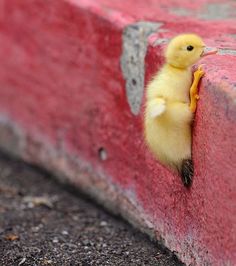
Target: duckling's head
{"x":185,"y":50}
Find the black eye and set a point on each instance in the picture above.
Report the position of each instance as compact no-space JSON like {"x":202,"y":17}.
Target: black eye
{"x":190,"y":48}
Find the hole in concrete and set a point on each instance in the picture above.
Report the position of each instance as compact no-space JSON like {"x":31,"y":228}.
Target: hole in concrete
{"x":102,"y":154}
{"x":134,"y":82}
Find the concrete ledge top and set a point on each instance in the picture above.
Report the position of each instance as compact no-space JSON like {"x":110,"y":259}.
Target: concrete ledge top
{"x":210,"y":11}
{"x":211,"y":19}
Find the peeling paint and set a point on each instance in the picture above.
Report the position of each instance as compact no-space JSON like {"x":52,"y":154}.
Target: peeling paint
{"x":233,"y":35}
{"x":210,"y":11}
{"x":225,"y":51}
{"x":160,"y":42}
{"x":215,"y":11}
{"x":132,"y":60}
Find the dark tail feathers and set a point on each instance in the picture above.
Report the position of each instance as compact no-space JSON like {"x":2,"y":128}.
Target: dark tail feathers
{"x":187,"y":172}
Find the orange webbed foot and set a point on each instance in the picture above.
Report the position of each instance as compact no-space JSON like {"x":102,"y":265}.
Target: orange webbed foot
{"x":194,"y":97}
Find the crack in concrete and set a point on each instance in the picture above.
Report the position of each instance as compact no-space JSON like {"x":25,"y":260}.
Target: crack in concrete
{"x":133,"y":60}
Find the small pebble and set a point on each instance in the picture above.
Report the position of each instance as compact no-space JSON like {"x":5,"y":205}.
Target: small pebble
{"x":55,"y":240}
{"x":64,"y":232}
{"x":103,"y":223}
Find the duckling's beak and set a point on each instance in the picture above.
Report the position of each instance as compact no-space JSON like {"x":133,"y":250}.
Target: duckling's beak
{"x":208,"y":51}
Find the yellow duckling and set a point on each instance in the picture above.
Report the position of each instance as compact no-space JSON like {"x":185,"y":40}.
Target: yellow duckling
{"x":171,"y":100}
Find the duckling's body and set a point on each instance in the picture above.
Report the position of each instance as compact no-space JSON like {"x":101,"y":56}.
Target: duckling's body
{"x":170,"y":105}
{"x":169,"y":135}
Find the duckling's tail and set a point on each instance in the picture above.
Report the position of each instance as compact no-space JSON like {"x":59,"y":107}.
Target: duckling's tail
{"x":187,"y":172}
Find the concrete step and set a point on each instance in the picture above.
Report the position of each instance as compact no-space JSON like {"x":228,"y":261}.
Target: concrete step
{"x":72,"y":79}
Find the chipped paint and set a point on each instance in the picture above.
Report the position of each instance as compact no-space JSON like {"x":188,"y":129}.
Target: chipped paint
{"x":216,"y":11}
{"x":225,"y":51}
{"x":132,"y":61}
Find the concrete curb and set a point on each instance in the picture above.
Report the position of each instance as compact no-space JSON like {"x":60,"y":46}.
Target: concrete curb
{"x":71,"y":95}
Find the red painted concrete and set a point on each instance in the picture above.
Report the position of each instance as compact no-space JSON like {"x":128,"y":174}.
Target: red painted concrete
{"x":60,"y":78}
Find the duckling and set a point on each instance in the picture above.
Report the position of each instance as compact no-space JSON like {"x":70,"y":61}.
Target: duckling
{"x":171,"y":101}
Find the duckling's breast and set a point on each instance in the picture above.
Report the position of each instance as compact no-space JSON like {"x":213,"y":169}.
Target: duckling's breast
{"x":174,"y":84}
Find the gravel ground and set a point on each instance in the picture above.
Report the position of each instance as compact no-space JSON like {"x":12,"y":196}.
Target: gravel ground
{"x":44,"y":223}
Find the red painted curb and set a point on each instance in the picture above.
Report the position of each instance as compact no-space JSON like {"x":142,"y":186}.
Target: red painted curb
{"x":71,"y":95}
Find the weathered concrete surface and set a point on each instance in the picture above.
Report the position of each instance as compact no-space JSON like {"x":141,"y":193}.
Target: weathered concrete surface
{"x":64,"y":106}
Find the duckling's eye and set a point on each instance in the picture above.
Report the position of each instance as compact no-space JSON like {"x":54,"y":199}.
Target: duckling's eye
{"x":190,"y":48}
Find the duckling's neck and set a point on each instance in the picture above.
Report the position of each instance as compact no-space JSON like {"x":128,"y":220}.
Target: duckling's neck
{"x":177,"y":68}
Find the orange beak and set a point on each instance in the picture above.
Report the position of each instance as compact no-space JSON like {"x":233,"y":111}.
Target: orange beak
{"x":208,"y":51}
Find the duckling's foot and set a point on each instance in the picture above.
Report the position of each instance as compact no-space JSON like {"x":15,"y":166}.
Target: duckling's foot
{"x":194,"y":97}
{"x":199,"y":73}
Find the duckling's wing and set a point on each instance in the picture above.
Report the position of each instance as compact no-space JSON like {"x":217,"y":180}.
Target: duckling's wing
{"x":156,"y":107}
